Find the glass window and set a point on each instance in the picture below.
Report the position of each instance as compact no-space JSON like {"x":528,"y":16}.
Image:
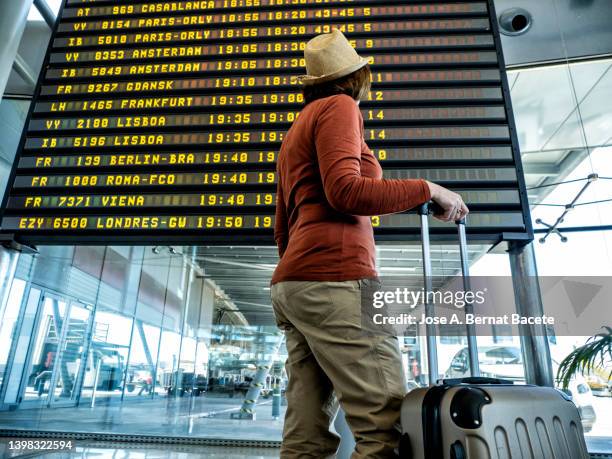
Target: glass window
{"x":48,"y":335}
{"x":503,"y":355}
{"x":13,"y":113}
{"x":34,"y":15}
{"x":106,"y":370}
{"x":8,"y":322}
{"x":143,"y":358}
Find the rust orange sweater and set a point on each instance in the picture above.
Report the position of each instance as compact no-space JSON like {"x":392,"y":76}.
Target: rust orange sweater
{"x":329,"y":183}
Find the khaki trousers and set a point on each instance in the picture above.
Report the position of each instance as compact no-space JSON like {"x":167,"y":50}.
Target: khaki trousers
{"x":328,"y":352}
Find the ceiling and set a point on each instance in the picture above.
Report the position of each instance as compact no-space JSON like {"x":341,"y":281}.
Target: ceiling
{"x":243,"y":274}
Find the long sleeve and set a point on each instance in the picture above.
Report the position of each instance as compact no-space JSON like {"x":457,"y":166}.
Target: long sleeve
{"x":338,"y":138}
{"x":281,"y":231}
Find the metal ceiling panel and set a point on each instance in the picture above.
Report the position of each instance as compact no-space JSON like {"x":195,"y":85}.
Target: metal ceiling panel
{"x":557,"y":30}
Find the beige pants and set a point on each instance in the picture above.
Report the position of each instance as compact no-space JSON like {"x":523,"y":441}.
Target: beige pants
{"x":329,"y":353}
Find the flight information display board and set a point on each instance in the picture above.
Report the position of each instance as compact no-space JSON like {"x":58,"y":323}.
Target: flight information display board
{"x":161,"y":121}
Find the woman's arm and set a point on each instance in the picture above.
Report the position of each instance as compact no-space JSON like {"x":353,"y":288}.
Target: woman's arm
{"x":338,"y":138}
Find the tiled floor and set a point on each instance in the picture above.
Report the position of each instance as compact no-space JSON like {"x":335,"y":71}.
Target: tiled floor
{"x":201,"y":417}
{"x":90,"y":450}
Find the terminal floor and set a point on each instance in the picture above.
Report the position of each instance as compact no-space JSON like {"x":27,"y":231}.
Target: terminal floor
{"x":99,"y":450}
{"x":201,"y":417}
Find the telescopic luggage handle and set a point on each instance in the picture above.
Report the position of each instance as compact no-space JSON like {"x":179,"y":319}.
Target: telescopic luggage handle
{"x":424,"y":211}
{"x":433,"y":208}
{"x":469,"y":307}
{"x":430,"y":328}
{"x":476,"y":380}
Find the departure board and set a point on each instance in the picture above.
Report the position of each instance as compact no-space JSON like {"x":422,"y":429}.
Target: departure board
{"x":161,"y":121}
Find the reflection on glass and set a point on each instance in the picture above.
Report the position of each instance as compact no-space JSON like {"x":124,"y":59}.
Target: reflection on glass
{"x":496,"y":361}
{"x":187,"y":365}
{"x":75,"y":339}
{"x":143,"y":358}
{"x":168,"y":376}
{"x":106,"y":361}
{"x":8,"y":321}
{"x":46,"y":346}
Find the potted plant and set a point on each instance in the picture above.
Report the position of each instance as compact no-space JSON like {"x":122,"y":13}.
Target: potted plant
{"x":595,"y":353}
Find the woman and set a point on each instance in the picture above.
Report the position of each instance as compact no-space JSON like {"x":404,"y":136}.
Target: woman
{"x":329,"y":184}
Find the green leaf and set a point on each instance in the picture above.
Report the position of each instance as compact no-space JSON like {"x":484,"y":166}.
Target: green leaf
{"x":593,"y":354}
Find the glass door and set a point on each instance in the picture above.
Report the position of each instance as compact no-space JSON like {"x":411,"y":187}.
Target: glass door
{"x":58,"y":354}
{"x":46,"y":345}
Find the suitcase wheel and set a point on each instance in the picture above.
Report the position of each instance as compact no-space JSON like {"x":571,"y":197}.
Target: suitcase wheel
{"x":457,"y":451}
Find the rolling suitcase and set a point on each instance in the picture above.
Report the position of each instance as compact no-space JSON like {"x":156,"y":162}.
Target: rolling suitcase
{"x":484,"y":418}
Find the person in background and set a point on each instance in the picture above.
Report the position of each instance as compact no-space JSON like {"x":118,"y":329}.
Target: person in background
{"x":147,"y":385}
{"x":329,"y":185}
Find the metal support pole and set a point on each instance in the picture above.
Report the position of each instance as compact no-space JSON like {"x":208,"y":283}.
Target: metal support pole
{"x":247,"y":411}
{"x":145,"y":347}
{"x":8,"y":266}
{"x":13,"y":18}
{"x":62,"y":325}
{"x":95,"y":386}
{"x":46,"y":12}
{"x":469,"y":307}
{"x":528,"y":298}
{"x":276,"y":399}
{"x":22,"y":69}
{"x":430,"y":329}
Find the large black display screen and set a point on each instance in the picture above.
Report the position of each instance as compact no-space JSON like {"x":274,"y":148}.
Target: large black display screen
{"x":161,"y":121}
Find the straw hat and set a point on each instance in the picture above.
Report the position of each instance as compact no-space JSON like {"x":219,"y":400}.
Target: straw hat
{"x":328,"y":57}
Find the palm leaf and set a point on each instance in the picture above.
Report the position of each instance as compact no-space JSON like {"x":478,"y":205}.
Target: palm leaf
{"x":595,"y":353}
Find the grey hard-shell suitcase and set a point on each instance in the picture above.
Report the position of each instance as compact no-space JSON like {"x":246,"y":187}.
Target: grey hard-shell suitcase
{"x":484,"y":418}
{"x":481,"y":418}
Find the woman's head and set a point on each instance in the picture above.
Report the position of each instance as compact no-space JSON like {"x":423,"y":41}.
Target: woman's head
{"x":356,"y":84}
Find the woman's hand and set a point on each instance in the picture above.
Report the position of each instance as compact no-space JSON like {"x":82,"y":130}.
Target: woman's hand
{"x":453,"y":207}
